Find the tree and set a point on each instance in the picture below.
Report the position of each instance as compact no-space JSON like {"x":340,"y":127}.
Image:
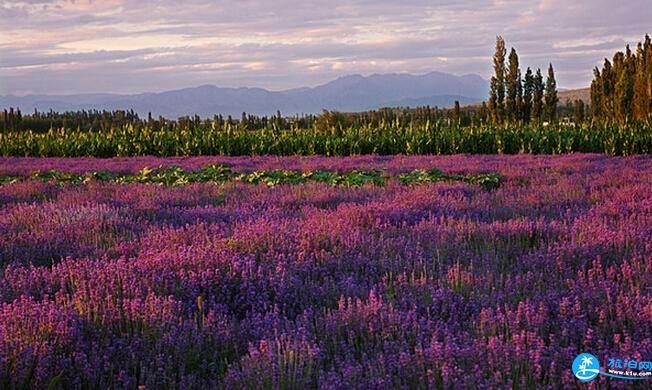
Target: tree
{"x":596,"y":95}
{"x":497,"y":92}
{"x":578,"y":113}
{"x":514,"y":95}
{"x":528,"y":90}
{"x":642,"y":96}
{"x":519,"y":98}
{"x":647,"y":49}
{"x":570,"y":107}
{"x":608,"y":86}
{"x":622,"y":90}
{"x":624,"y":96}
{"x":551,"y":99}
{"x":537,"y":98}
{"x":640,"y":85}
{"x":492,"y":107}
{"x":456,"y":113}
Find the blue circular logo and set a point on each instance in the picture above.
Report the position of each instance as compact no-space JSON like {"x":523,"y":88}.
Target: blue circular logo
{"x":586,"y":367}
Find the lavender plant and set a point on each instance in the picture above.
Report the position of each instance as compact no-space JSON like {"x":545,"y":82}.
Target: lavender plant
{"x":308,"y":285}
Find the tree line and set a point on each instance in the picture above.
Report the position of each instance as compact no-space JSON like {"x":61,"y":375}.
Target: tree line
{"x":622,"y":90}
{"x":518,"y":99}
{"x":13,"y":120}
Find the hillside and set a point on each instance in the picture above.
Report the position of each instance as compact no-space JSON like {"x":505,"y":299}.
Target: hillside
{"x":575,"y":94}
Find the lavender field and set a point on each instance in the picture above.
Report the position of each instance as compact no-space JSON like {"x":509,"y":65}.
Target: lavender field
{"x":439,"y":285}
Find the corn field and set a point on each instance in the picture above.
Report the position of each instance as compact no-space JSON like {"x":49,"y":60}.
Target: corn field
{"x":211,"y":138}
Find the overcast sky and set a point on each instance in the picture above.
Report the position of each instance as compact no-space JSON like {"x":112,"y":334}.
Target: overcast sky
{"x":125,"y":46}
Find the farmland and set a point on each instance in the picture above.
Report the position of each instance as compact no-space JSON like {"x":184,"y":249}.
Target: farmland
{"x":211,"y":137}
{"x":149,"y":271}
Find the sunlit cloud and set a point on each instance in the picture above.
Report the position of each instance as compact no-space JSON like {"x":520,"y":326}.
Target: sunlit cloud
{"x":56,"y":46}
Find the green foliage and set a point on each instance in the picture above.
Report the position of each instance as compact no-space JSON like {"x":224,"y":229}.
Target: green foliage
{"x":55,"y":383}
{"x":551,"y":99}
{"x":272,"y":178}
{"x":497,"y":90}
{"x":52,"y":175}
{"x":488,"y":181}
{"x":514,"y":99}
{"x":537,"y":98}
{"x":528,"y":93}
{"x":386,"y":139}
{"x":622,"y":90}
{"x":419,"y":176}
{"x":175,"y":176}
{"x":7,"y":180}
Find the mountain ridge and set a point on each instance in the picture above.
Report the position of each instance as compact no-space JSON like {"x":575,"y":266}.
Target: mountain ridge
{"x":347,"y":93}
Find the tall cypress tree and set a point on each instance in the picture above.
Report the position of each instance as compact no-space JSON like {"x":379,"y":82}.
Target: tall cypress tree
{"x":537,"y":98}
{"x":519,"y":98}
{"x":528,"y":91}
{"x":578,"y":113}
{"x":608,"y":84}
{"x":551,"y":99}
{"x":497,"y":95}
{"x":624,"y":94}
{"x":597,"y":103}
{"x":640,"y":85}
{"x":492,"y":108}
{"x":622,"y":89}
{"x":647,"y":48}
{"x":514,"y":89}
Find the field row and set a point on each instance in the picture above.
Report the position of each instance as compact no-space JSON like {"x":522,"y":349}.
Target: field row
{"x":174,"y":175}
{"x":208,"y":138}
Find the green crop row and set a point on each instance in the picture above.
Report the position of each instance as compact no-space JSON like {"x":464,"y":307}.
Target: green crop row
{"x":385,"y":139}
{"x":175,"y":176}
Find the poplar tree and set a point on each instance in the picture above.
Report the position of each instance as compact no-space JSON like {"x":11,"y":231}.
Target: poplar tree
{"x":624,"y":95}
{"x":492,"y":110}
{"x":519,"y":98}
{"x":551,"y":99}
{"x":497,"y":93}
{"x":647,"y":48}
{"x":528,"y":90}
{"x":596,"y":95}
{"x":640,"y":85}
{"x":608,"y":86}
{"x":514,"y":89}
{"x":578,"y":114}
{"x":537,"y":98}
{"x":622,"y":90}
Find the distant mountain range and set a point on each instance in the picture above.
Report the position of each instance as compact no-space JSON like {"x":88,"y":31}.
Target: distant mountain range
{"x":349,"y":93}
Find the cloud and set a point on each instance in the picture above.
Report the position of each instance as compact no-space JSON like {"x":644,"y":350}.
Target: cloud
{"x":56,"y":46}
{"x":545,"y":5}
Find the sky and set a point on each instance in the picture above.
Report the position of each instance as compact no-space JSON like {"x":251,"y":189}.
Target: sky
{"x":131,"y":46}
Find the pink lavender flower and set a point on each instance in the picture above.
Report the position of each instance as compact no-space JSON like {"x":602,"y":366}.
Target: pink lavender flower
{"x":443,"y":285}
